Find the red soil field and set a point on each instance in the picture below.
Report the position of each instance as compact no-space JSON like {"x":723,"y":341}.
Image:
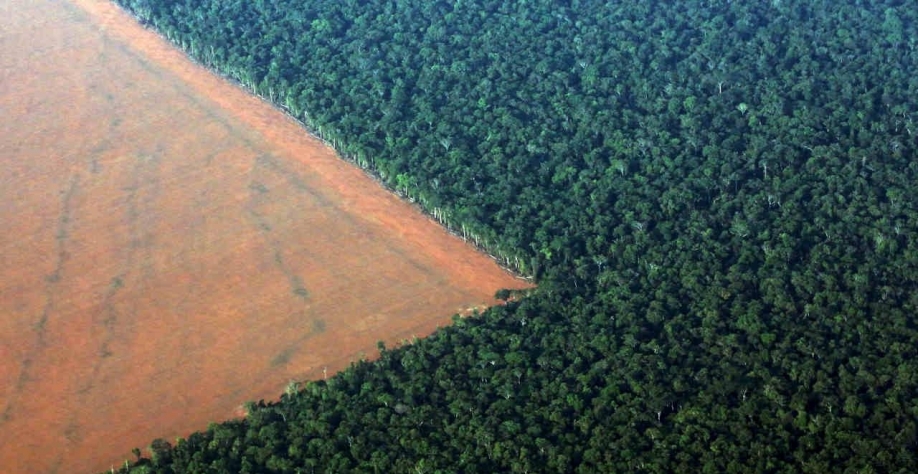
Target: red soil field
{"x":171,"y":247}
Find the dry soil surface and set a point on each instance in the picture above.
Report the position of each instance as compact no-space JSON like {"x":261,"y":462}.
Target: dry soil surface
{"x":171,"y":247}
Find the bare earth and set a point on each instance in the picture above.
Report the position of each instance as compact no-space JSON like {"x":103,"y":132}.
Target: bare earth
{"x":171,"y":247}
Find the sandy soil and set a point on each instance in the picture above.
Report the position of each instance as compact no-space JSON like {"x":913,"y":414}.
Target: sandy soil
{"x":171,"y":247}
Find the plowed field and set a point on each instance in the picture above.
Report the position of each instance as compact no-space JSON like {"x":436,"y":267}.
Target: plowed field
{"x":171,"y":247}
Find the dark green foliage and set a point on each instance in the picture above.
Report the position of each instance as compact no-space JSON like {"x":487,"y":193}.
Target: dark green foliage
{"x":717,"y":201}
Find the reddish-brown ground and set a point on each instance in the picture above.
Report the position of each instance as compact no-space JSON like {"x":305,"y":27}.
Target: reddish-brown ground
{"x":171,"y":247}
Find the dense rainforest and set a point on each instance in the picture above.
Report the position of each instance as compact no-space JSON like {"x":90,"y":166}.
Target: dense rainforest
{"x":716,"y":198}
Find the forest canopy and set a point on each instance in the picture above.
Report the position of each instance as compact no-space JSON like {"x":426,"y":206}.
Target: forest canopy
{"x":716,"y":198}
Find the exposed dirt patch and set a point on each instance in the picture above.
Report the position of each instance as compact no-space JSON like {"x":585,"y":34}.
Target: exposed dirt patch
{"x":172,"y":247}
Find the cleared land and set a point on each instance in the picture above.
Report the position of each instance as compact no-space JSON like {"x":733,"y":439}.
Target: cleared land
{"x":171,"y":247}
